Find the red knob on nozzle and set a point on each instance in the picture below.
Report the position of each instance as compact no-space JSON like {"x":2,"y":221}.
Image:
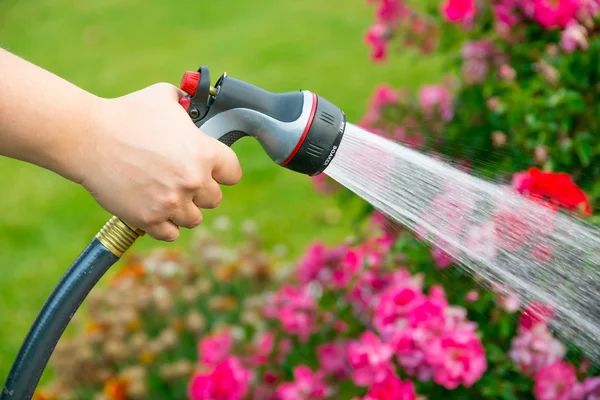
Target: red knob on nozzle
{"x":190,"y":82}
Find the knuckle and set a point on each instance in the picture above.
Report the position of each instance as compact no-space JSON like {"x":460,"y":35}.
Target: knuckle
{"x":149,"y":219}
{"x":169,"y":201}
{"x":193,"y":183}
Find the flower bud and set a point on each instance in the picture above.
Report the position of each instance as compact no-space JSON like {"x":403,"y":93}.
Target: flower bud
{"x":507,"y":73}
{"x":493,"y":104}
{"x":540,"y":154}
{"x":499,"y":139}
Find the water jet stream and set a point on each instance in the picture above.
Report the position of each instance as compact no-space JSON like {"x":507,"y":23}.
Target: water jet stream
{"x":491,"y":231}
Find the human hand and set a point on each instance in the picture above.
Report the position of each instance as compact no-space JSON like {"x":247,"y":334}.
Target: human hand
{"x":146,"y":162}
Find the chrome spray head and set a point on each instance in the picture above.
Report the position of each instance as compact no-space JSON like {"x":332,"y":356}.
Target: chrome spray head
{"x":299,"y":130}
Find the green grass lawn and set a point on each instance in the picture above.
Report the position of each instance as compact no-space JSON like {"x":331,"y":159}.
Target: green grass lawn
{"x":112,"y":47}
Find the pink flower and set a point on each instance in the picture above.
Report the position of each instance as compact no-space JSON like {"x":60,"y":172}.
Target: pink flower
{"x":215,"y":348}
{"x":409,"y":344}
{"x":555,"y":382}
{"x":411,"y":139}
{"x":428,"y":313}
{"x":284,"y":347}
{"x":461,"y":11}
{"x":324,"y":184}
{"x":589,"y":389}
{"x":535,"y":348}
{"x":306,"y":386}
{"x":263,"y":349}
{"x":362,"y":296}
{"x":226,"y":381}
{"x":391,"y":388}
{"x":332,"y":359}
{"x":505,"y":14}
{"x":347,"y":268}
{"x":374,"y":249}
{"x":574,"y":37}
{"x":472,"y":296}
{"x":555,"y":13}
{"x":391,"y":11}
{"x":369,"y":358}
{"x":394,"y":304}
{"x":506,"y":299}
{"x":329,"y":266}
{"x":446,"y":215}
{"x":507,"y":73}
{"x":542,"y":252}
{"x":481,"y":241}
{"x":441,"y":257}
{"x":384,"y":95}
{"x":377,"y":38}
{"x":475,"y":71}
{"x":590,"y":8}
{"x":457,"y":357}
{"x":295,"y":308}
{"x":436,"y":99}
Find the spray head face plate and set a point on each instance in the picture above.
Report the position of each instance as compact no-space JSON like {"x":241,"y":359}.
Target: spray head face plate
{"x":298,"y":130}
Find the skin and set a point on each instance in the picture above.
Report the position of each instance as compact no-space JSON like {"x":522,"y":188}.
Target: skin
{"x":139,"y":155}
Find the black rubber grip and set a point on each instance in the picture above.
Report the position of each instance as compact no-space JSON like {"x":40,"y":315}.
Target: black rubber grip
{"x":234,"y":93}
{"x":230,"y":138}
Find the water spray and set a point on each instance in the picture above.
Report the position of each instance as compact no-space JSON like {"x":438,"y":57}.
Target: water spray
{"x":298,"y":130}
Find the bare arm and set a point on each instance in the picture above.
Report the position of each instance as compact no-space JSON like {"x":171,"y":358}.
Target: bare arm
{"x":139,"y":155}
{"x":43,"y":118}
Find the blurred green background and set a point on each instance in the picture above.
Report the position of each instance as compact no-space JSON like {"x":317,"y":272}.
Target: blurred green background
{"x":112,"y":47}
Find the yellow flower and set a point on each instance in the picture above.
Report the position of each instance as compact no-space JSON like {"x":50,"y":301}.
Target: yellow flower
{"x":146,"y":357}
{"x":226,"y":272}
{"x":134,"y":325}
{"x":223,"y":303}
{"x":93,"y":327}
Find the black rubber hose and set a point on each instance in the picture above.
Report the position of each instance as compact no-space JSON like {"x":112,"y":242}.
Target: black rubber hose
{"x":54,"y":317}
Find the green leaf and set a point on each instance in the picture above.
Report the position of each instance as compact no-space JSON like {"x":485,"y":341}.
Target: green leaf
{"x":583,"y":146}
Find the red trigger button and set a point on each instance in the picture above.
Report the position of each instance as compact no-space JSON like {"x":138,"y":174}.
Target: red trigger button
{"x":189,"y":82}
{"x":185,"y":102}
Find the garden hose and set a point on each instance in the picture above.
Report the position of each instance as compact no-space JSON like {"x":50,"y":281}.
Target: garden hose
{"x":298,"y":130}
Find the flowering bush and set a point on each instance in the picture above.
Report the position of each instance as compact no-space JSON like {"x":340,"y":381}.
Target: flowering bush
{"x":381,"y":316}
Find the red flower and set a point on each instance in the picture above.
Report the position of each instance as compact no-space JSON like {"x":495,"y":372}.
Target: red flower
{"x":534,"y":314}
{"x":556,"y":187}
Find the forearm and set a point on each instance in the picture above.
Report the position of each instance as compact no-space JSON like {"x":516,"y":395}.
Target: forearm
{"x":44,"y":120}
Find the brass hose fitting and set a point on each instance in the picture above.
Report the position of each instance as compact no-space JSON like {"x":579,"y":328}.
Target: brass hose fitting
{"x":117,"y":236}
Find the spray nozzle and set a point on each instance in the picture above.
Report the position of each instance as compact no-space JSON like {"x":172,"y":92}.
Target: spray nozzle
{"x":299,"y":130}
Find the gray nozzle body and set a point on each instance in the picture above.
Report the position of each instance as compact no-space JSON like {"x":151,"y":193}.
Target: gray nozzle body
{"x":298,"y":130}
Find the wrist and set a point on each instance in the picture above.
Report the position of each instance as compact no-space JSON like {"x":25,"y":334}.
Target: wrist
{"x":74,"y":153}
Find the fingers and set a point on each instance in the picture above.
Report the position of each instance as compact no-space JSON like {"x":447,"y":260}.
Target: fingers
{"x":166,"y":231}
{"x":188,"y":216}
{"x":167,"y":90}
{"x":227,"y":169}
{"x":209,"y":196}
